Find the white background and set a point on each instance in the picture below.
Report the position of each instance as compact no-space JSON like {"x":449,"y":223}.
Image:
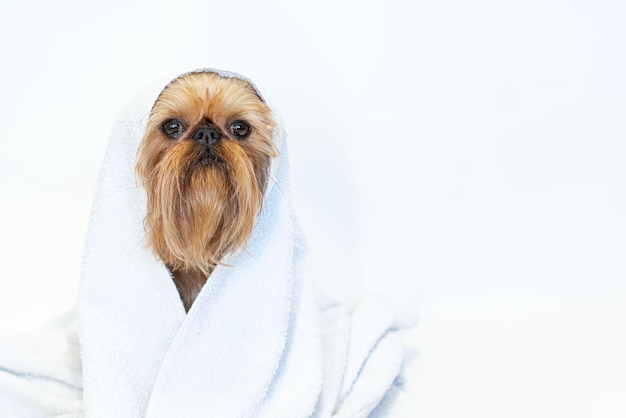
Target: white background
{"x":465,"y":159}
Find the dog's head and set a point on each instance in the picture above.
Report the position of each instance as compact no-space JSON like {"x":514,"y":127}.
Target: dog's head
{"x":204,"y":161}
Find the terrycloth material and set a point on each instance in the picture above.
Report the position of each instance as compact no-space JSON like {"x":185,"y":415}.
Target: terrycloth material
{"x":40,"y":372}
{"x":257,"y":342}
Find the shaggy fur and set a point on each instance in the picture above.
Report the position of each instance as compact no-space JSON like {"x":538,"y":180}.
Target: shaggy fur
{"x":200,"y":208}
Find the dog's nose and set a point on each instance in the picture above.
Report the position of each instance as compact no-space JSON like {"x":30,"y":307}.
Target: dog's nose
{"x":206,"y":135}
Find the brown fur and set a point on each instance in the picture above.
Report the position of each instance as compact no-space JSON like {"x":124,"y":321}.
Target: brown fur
{"x":197,"y":213}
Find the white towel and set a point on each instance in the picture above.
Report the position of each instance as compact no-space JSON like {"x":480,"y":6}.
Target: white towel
{"x":257,"y":342}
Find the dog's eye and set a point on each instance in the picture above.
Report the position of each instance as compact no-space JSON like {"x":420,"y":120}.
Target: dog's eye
{"x":240,"y":129}
{"x":172,"y":128}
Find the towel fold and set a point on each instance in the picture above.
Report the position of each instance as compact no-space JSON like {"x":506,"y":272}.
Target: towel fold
{"x":257,"y":342}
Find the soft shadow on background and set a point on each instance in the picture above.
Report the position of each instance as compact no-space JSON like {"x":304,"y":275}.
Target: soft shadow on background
{"x":464,"y":159}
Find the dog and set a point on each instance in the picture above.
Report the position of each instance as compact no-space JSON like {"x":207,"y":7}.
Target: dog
{"x":204,"y":162}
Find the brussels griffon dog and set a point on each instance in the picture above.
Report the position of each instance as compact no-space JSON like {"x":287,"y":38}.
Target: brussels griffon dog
{"x":204,"y":162}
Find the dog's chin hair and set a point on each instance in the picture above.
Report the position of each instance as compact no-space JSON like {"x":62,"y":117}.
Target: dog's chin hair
{"x":202,"y":206}
{"x":198,"y":214}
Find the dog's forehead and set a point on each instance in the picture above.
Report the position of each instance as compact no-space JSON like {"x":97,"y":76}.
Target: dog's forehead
{"x":210,"y":95}
{"x":222,"y":74}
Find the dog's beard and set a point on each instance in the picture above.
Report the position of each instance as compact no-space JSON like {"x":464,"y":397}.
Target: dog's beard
{"x":201,"y":207}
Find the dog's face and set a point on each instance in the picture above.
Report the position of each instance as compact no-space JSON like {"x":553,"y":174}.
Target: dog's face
{"x":204,"y":162}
